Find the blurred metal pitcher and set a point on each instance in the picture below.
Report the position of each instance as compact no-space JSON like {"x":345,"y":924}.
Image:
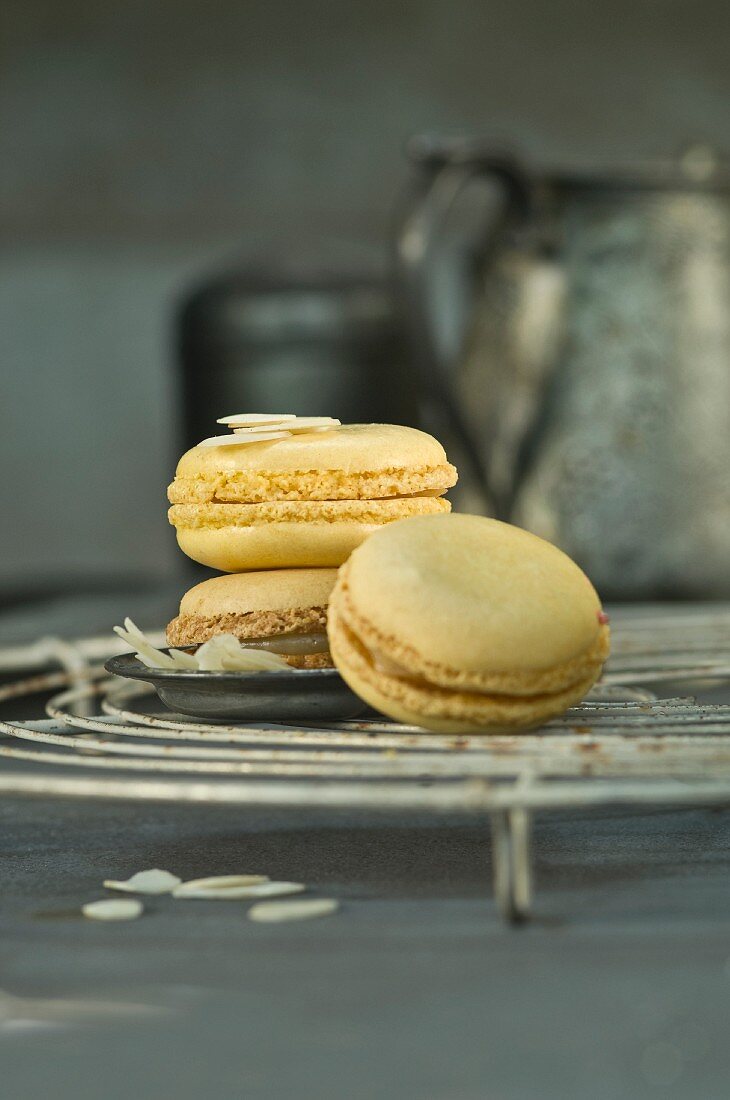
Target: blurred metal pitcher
{"x":576,"y":327}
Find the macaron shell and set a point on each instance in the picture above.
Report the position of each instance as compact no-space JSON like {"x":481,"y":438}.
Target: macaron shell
{"x":352,"y":448}
{"x":273,"y":545}
{"x":471,"y":595}
{"x":241,"y":594}
{"x":234,"y":538}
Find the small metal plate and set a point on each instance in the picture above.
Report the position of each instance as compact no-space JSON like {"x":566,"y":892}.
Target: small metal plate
{"x":297,"y":694}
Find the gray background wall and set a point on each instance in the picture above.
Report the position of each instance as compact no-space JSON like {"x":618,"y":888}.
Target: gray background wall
{"x":145,"y":143}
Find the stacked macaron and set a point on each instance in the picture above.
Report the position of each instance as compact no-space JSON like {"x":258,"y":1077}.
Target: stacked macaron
{"x":285,"y":498}
{"x":279,"y":503}
{"x":281,"y":610}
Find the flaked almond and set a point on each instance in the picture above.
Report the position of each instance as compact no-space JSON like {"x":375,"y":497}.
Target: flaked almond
{"x":224,"y":653}
{"x":218,"y":882}
{"x":255,"y":420}
{"x":246,"y":432}
{"x":235,"y":887}
{"x":311,"y":424}
{"x":241,"y":440}
{"x":153,"y":881}
{"x":113,"y":909}
{"x":304,"y":909}
{"x":175,"y":660}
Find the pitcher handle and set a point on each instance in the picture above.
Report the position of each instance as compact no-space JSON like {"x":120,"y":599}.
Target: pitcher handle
{"x":445,"y":167}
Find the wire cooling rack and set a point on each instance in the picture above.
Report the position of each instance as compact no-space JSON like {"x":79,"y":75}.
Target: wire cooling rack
{"x":622,"y":747}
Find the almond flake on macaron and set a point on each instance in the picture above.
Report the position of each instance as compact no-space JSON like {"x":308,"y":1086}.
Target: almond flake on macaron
{"x":312,"y":424}
{"x":243,"y":420}
{"x":298,"y":426}
{"x":241,"y":440}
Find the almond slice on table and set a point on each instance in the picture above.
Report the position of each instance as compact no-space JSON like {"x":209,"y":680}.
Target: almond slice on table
{"x":235,"y":887}
{"x":219,"y":883}
{"x":241,"y":440}
{"x":113,"y":909}
{"x":153,"y":881}
{"x":303,"y":909}
{"x":244,"y":420}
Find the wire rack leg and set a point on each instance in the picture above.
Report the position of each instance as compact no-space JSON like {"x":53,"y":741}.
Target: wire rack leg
{"x":512,"y":863}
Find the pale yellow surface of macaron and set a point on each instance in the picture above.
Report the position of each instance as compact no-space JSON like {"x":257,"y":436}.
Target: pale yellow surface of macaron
{"x":258,"y":606}
{"x":461,"y":623}
{"x":305,"y":500}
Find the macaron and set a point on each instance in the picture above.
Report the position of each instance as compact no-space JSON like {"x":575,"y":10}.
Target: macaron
{"x":463,"y":624}
{"x":306,"y":499}
{"x":281,"y":610}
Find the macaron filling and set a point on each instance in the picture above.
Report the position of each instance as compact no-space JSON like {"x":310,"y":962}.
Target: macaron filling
{"x":384,"y":664}
{"x":292,"y":644}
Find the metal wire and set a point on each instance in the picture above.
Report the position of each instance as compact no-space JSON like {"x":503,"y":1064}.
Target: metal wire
{"x":669,"y":738}
{"x":637,"y":752}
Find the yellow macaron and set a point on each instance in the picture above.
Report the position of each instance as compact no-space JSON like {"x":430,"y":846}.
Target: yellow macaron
{"x":282,"y":610}
{"x":304,"y":500}
{"x":462,"y":624}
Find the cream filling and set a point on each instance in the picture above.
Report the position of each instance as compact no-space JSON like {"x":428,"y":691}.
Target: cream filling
{"x":291,"y":645}
{"x":433,"y":492}
{"x":381,"y":662}
{"x":388,"y":666}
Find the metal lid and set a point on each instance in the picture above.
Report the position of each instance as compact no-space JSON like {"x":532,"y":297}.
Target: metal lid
{"x":699,"y":167}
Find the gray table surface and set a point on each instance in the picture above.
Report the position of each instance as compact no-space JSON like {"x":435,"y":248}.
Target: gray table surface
{"x":415,"y":989}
